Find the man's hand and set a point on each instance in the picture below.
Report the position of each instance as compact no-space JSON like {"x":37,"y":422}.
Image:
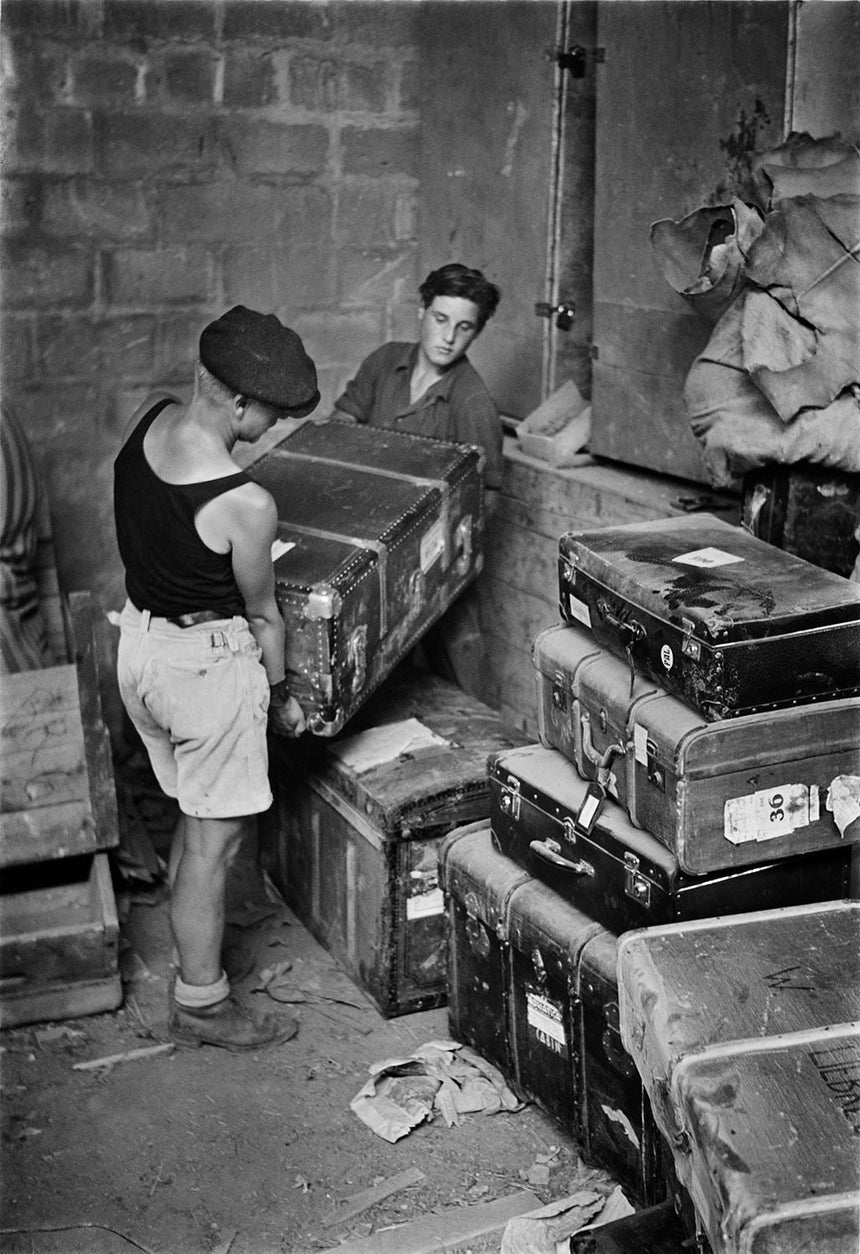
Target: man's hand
{"x":287,"y":718}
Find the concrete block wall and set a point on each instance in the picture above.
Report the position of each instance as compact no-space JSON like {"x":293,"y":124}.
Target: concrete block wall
{"x":163,"y":160}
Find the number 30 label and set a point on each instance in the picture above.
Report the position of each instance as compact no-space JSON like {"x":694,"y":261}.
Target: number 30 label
{"x":770,"y":813}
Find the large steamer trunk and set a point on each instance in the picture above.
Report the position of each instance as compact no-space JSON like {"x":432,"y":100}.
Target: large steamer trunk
{"x":353,"y":837}
{"x":772,"y":1129}
{"x":547,"y":818}
{"x":382,"y":530}
{"x":724,"y":621}
{"x":533,"y":988}
{"x":567,"y":1052}
{"x":687,"y":987}
{"x":477,"y":884}
{"x":616,"y":1126}
{"x":720,"y":794}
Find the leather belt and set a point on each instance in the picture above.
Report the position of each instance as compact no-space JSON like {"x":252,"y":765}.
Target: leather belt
{"x":198,"y":616}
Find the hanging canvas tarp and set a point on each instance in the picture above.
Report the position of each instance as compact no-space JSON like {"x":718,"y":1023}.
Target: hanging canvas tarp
{"x":702,"y":256}
{"x":801,"y":335}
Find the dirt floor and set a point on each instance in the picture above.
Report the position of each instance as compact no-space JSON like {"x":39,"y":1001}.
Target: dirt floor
{"x":199,"y":1150}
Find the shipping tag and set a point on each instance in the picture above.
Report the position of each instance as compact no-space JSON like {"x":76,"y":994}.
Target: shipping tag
{"x":592,"y":803}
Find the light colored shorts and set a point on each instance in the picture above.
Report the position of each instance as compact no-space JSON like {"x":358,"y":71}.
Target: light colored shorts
{"x":199,"y":697}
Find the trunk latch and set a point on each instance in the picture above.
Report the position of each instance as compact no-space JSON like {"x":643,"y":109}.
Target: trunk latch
{"x":636,"y":886}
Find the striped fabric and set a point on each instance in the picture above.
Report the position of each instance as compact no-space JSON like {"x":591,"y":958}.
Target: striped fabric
{"x":23,"y":645}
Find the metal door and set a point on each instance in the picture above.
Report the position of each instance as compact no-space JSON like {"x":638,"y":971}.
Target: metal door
{"x":686,"y":91}
{"x":489,"y":114}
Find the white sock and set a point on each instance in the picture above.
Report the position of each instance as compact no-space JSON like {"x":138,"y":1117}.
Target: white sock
{"x":199,"y":996}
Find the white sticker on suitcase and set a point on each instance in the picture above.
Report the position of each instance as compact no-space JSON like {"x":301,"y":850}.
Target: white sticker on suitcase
{"x":843,"y":800}
{"x":545,"y":1017}
{"x":640,"y":744}
{"x":425,"y":905}
{"x":708,"y":557}
{"x":432,"y":545}
{"x":770,"y":813}
{"x":579,"y":610}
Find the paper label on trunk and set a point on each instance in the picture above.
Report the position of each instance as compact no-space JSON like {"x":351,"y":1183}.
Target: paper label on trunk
{"x":707,"y":558}
{"x":432,"y":545}
{"x":423,"y":905}
{"x":280,"y":547}
{"x":544,"y":1015}
{"x":640,"y":744}
{"x":843,"y":800}
{"x":382,"y":744}
{"x":770,"y":813}
{"x":579,"y":610}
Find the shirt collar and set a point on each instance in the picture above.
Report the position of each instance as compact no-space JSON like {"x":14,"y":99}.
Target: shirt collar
{"x":442,"y":386}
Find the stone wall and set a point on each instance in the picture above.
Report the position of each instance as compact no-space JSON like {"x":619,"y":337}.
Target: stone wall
{"x":166,"y":159}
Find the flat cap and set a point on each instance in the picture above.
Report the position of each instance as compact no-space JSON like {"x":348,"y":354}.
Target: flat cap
{"x":255,"y":354}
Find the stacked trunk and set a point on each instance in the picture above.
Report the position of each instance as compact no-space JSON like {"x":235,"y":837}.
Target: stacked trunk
{"x":699,"y":759}
{"x":379,"y":532}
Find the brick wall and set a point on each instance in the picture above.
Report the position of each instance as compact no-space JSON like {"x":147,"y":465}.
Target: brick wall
{"x":166,"y":159}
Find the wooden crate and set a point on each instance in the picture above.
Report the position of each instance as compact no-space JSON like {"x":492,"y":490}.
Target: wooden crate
{"x":59,"y":941}
{"x":58,"y":794}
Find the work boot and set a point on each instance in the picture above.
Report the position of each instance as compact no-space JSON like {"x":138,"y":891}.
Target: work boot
{"x":229,"y":1025}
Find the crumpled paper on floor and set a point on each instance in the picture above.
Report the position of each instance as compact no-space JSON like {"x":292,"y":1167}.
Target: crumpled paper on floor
{"x":441,"y":1077}
{"x":549,"y":1229}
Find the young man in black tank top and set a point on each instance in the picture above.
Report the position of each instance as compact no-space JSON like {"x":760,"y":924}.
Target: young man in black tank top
{"x":201,"y":655}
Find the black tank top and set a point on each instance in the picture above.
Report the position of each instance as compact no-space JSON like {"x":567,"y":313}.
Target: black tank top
{"x":169,"y":570}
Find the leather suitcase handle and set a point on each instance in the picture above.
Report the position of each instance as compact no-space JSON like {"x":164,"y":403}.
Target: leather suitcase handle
{"x":630,"y":631}
{"x":549,"y":851}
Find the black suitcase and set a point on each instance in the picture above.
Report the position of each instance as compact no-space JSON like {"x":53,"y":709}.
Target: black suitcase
{"x":548,"y":819}
{"x":381,"y":532}
{"x":532,"y":986}
{"x":477,"y":883}
{"x":353,"y":837}
{"x":718,"y":794}
{"x":721,"y":619}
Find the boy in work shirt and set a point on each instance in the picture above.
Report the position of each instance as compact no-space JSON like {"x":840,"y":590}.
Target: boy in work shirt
{"x":201,"y":653}
{"x":432,"y":389}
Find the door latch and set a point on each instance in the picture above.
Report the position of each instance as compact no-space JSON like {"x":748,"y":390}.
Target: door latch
{"x":563,"y":313}
{"x":576,"y":59}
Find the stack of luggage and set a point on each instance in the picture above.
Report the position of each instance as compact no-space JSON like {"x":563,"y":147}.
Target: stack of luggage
{"x":626,"y":917}
{"x":699,"y":762}
{"x":379,"y":533}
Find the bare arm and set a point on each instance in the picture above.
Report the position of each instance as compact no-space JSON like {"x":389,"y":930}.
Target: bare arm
{"x":252,"y":526}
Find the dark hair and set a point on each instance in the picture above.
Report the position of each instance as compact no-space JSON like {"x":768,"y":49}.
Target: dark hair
{"x":458,"y":280}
